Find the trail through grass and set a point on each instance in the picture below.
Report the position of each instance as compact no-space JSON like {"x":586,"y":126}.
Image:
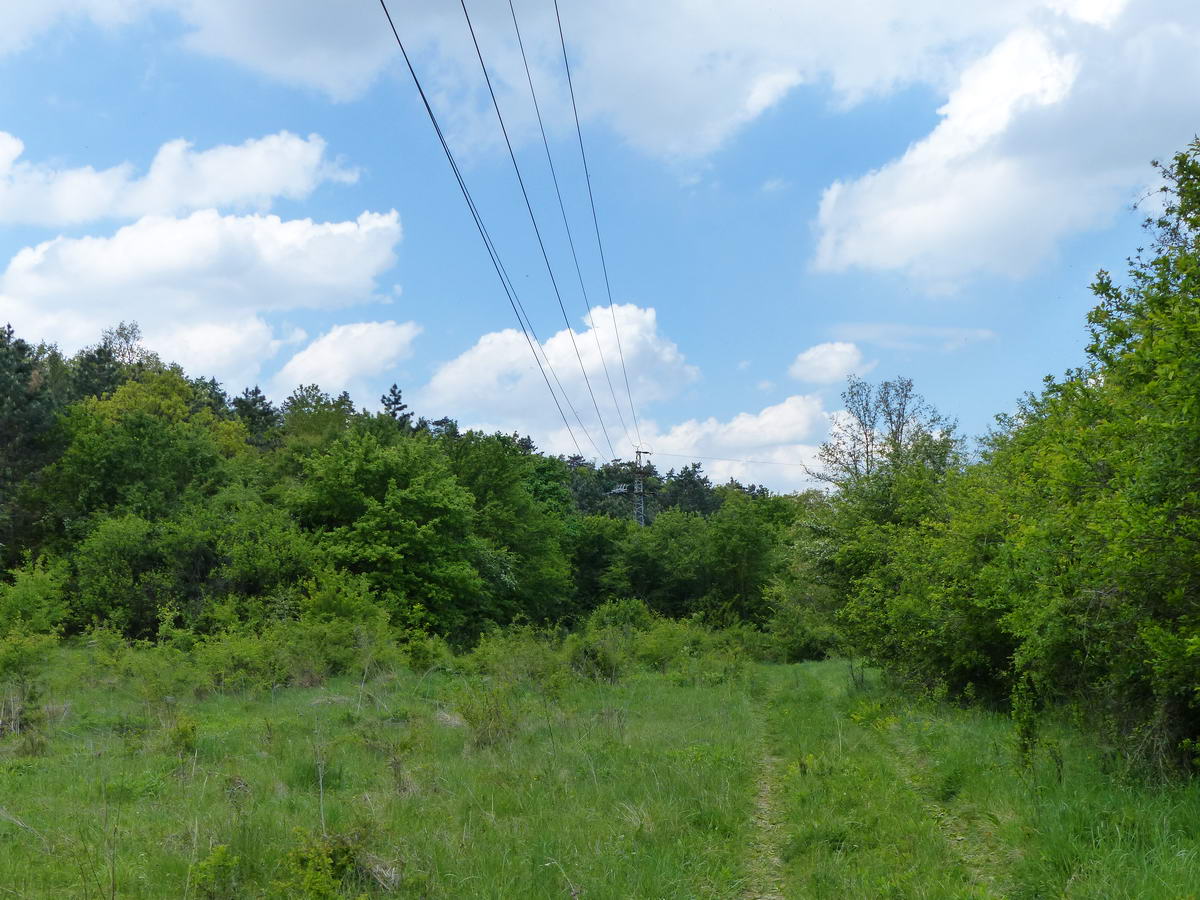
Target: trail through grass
{"x":782,"y":782}
{"x":887,"y":796}
{"x":764,"y":873}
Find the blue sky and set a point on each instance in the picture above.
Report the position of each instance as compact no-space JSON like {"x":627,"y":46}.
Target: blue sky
{"x":787,"y":194}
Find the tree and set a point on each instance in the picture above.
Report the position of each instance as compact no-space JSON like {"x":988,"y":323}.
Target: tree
{"x":395,"y":407}
{"x":27,"y":411}
{"x":690,"y":490}
{"x":259,"y":415}
{"x":397,"y":515}
{"x":880,"y":426}
{"x":139,"y":450}
{"x":529,"y":572}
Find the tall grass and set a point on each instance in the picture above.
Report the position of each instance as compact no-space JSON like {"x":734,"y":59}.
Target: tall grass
{"x":677,"y":769}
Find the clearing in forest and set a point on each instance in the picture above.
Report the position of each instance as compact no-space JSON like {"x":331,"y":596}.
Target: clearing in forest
{"x":765,"y":782}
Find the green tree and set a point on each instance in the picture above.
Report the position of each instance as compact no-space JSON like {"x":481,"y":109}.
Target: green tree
{"x":397,"y":515}
{"x":529,"y":572}
{"x":139,"y":450}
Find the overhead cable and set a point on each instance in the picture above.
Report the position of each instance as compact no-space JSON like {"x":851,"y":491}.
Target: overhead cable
{"x":537,"y":231}
{"x":566,"y":222}
{"x":596,"y":221}
{"x":757,"y":462}
{"x":506,"y":283}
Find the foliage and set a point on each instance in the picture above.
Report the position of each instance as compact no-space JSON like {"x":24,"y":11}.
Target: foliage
{"x":34,"y":600}
{"x":1060,"y":566}
{"x":396,"y":515}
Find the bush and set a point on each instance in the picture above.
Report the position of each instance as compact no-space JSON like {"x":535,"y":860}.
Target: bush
{"x":34,"y":599}
{"x":491,"y":711}
{"x":626,"y":615}
{"x":595,"y":654}
{"x":426,"y":652}
{"x":323,"y":865}
{"x":668,"y":641}
{"x":519,"y":654}
{"x":23,"y":659}
{"x":797,"y":632}
{"x":216,"y":875}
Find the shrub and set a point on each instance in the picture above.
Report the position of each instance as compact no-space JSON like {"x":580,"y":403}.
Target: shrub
{"x":711,"y":667}
{"x":798,"y":632}
{"x":34,"y":599}
{"x":668,"y":641}
{"x":425,"y":652}
{"x":595,"y":654}
{"x":216,"y":875}
{"x":626,"y":615}
{"x":519,"y":654}
{"x":23,"y":659}
{"x":322,"y":866}
{"x":490,"y":710}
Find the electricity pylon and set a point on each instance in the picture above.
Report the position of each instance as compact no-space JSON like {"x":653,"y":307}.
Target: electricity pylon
{"x":638,"y":488}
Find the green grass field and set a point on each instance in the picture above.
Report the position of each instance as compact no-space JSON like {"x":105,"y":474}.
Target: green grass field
{"x":780,"y":781}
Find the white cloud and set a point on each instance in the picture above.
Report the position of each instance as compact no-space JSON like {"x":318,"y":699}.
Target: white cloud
{"x":898,"y":336}
{"x":830,"y":362}
{"x":496,"y":385}
{"x":675,"y":77}
{"x":1052,"y":107}
{"x":23,"y":22}
{"x":933,"y":211}
{"x":769,"y":447}
{"x":346,"y":356}
{"x":250,"y":175}
{"x":1094,"y":12}
{"x":202,"y":287}
{"x":1047,"y":135}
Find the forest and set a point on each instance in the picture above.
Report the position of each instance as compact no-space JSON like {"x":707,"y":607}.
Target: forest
{"x":197,"y":540}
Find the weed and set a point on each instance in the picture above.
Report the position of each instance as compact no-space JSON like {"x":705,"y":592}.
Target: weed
{"x":322,"y":865}
{"x":490,"y":712}
{"x":181,"y":736}
{"x":216,"y":875}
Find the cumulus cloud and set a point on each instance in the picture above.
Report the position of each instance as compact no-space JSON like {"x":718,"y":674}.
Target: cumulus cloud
{"x":772,"y":446}
{"x":203,"y":288}
{"x":346,"y":356}
{"x":23,"y":22}
{"x":673,"y":77}
{"x":829,"y":362}
{"x":1047,"y":135}
{"x":180,"y":179}
{"x":899,"y":336}
{"x":495,"y":384}
{"x":1052,"y":107}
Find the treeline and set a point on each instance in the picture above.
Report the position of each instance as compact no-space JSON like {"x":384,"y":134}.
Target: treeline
{"x":1058,"y":566}
{"x":136,"y":498}
{"x":1055,"y":565}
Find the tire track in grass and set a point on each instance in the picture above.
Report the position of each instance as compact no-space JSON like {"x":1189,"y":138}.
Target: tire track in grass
{"x":978,"y":856}
{"x":851,"y":823}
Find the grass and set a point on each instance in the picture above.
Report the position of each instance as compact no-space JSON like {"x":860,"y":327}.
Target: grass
{"x":887,"y":796}
{"x":784,"y":781}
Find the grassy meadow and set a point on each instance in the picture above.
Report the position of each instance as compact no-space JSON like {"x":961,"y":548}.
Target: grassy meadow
{"x":513,"y":773}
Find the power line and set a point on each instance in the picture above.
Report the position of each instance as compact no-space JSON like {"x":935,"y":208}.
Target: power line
{"x":596,"y":221}
{"x":537,"y":231}
{"x":566,"y":222}
{"x":501,"y":272}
